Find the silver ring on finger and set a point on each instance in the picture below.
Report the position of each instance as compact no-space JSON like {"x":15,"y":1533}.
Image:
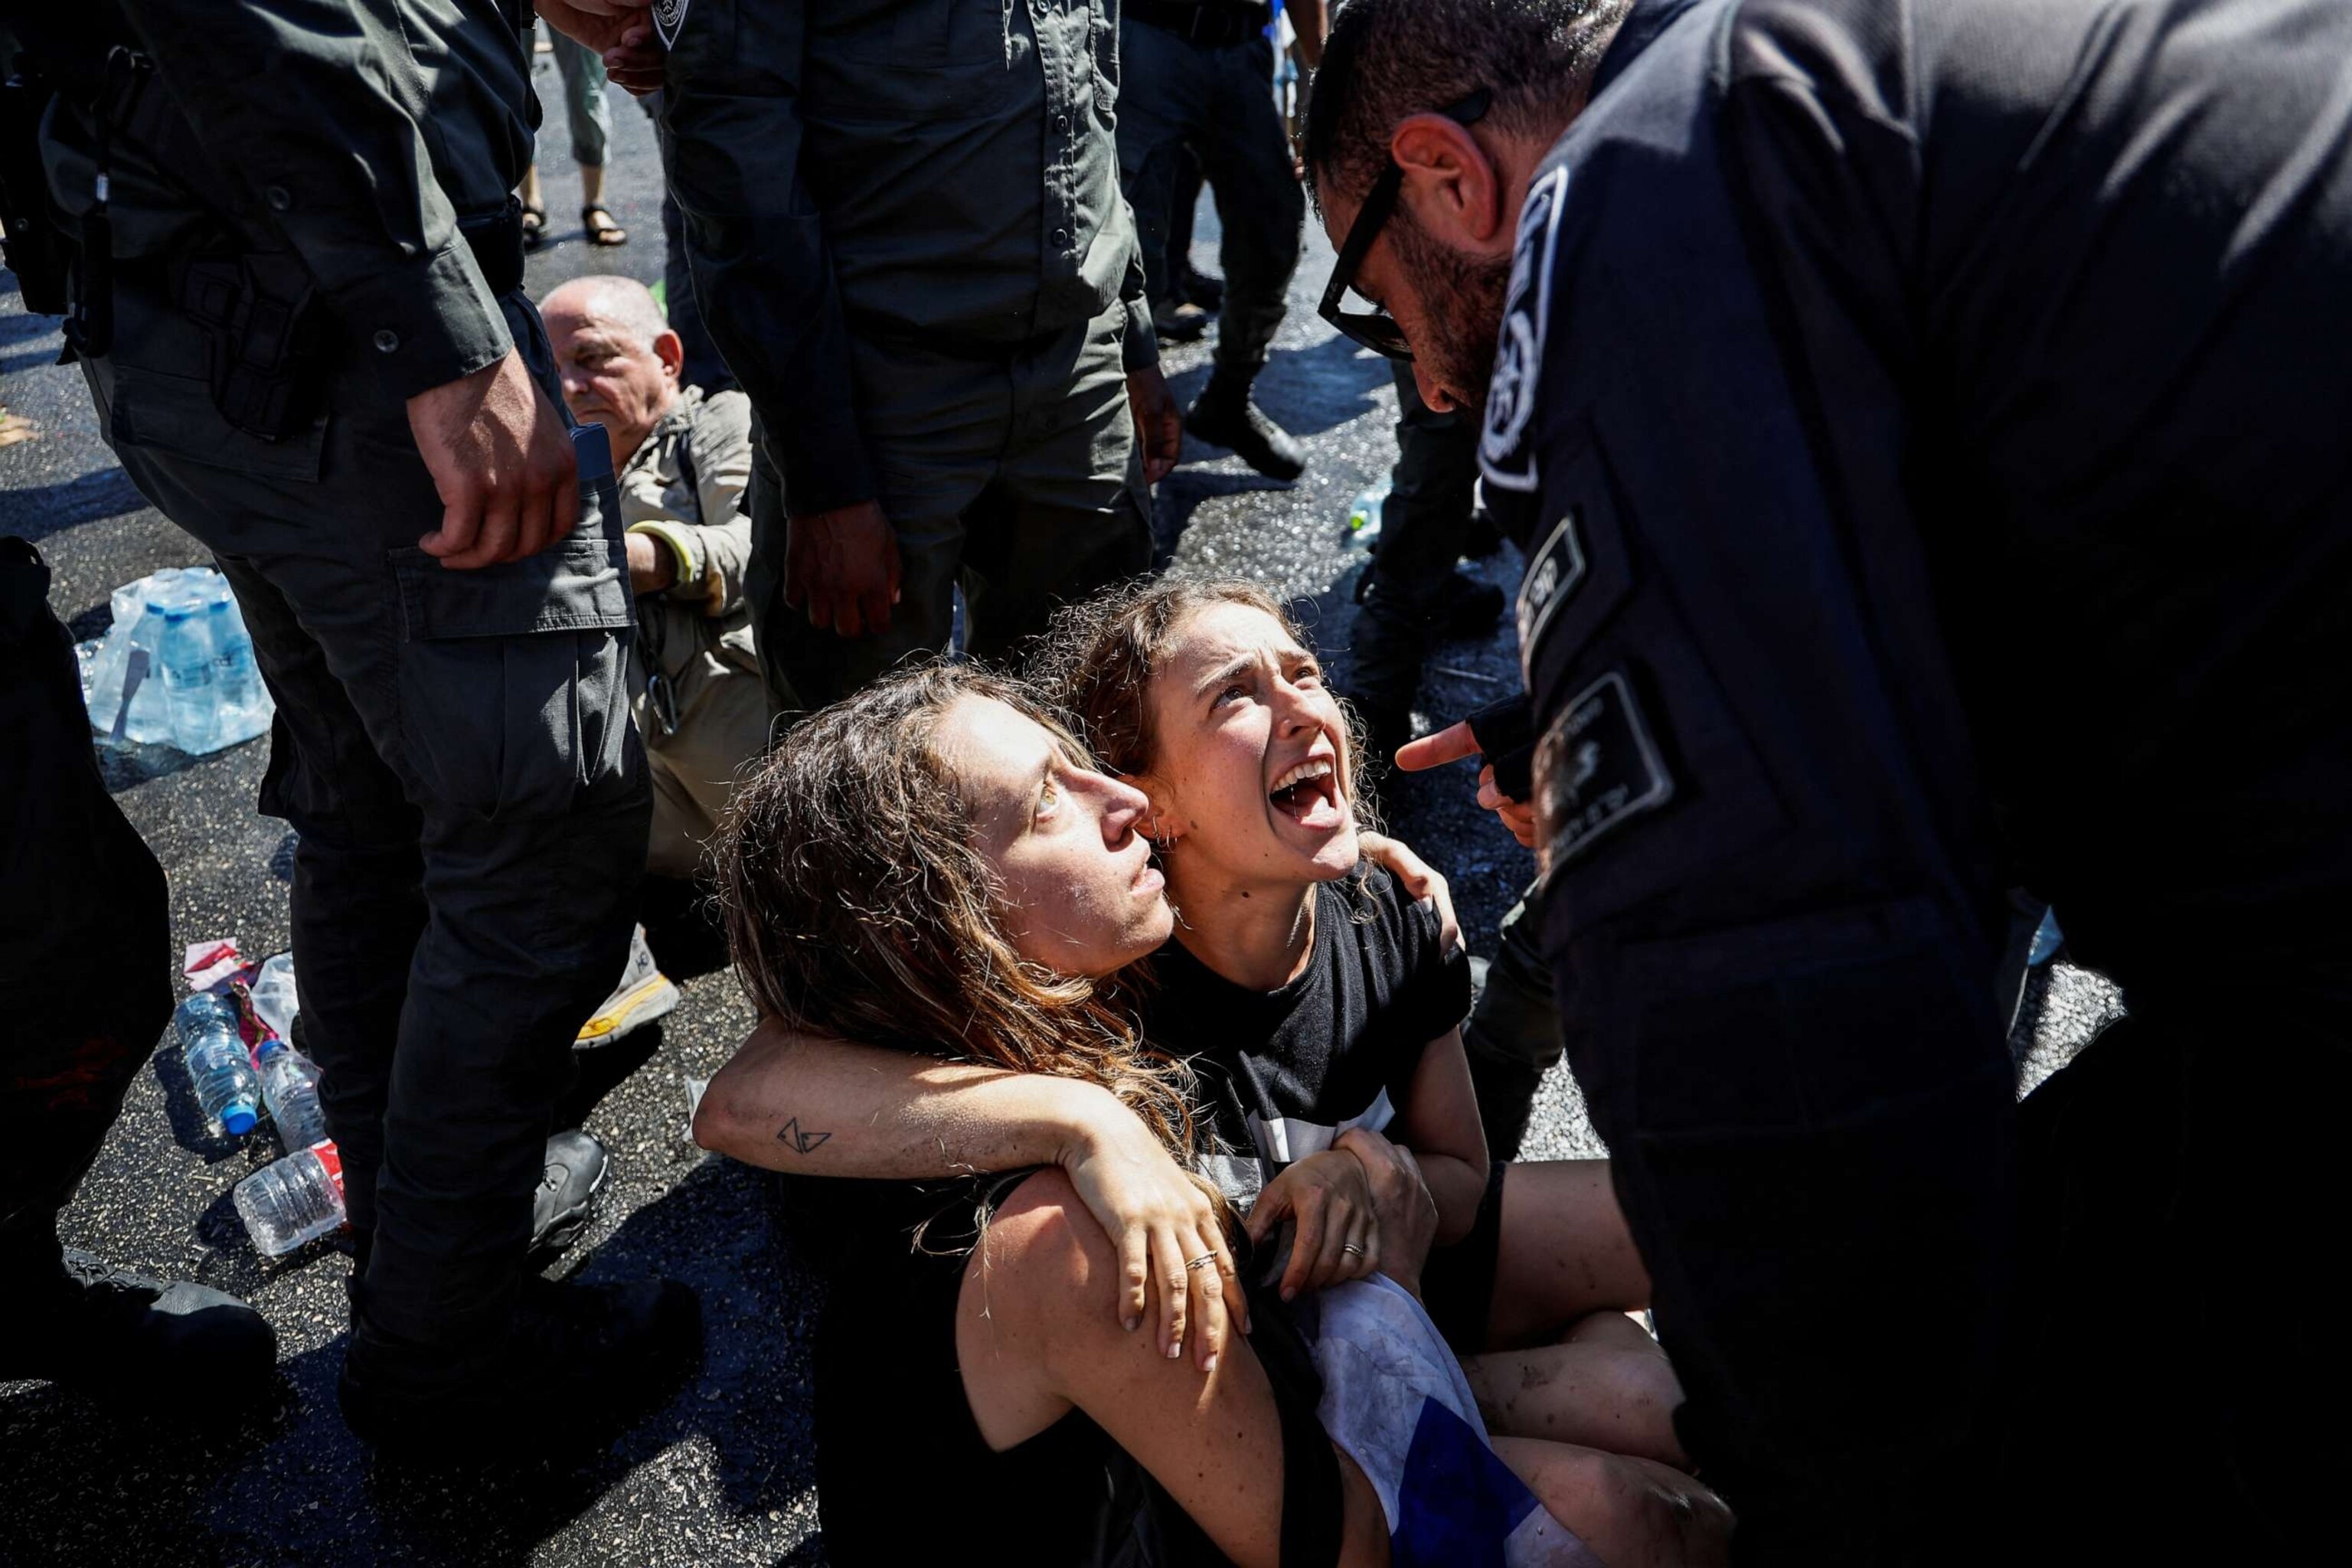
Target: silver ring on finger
{"x":1203,"y":1261}
{"x":1352,"y":1249}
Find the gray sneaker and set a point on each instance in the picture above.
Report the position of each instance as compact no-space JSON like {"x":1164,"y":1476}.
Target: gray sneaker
{"x":644,"y":994}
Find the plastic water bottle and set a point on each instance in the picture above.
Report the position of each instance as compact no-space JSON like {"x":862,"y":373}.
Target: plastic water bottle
{"x":188,"y":688}
{"x":273,"y":999}
{"x":1364,"y":515}
{"x":235,"y":678}
{"x":290,"y":1087}
{"x":148,"y":721}
{"x":221,"y":1068}
{"x":291,"y":1201}
{"x":2047,"y":939}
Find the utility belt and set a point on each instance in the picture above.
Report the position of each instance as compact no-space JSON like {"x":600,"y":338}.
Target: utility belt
{"x":1213,"y":27}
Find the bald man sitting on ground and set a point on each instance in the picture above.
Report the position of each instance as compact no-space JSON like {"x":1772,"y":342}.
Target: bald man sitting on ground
{"x":684,"y":458}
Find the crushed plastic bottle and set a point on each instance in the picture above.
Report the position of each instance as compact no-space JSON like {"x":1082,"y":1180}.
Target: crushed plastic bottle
{"x":291,"y":1201}
{"x":290,"y":1087}
{"x":229,"y":1090}
{"x":274,"y":1001}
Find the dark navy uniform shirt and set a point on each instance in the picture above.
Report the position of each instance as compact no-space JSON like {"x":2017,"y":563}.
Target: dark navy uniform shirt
{"x":1930,"y":422}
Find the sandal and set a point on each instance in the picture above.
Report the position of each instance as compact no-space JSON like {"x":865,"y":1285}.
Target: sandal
{"x":535,"y":226}
{"x":600,"y":226}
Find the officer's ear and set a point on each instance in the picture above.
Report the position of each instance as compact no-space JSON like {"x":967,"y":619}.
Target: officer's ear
{"x":670,"y":349}
{"x":1452,"y":184}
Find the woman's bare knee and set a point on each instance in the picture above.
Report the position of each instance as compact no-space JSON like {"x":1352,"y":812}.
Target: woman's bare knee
{"x":1633,"y":1513}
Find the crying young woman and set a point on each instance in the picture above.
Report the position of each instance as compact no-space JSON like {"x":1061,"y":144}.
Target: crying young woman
{"x":1157,"y":1050}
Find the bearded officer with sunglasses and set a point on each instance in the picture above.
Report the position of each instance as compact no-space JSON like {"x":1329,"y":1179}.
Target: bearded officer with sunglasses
{"x":1927,"y":424}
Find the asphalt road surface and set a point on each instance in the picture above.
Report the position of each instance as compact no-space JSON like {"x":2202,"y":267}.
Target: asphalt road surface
{"x":724,"y":1475}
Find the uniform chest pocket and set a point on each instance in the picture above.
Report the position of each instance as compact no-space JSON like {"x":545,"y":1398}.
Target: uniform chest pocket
{"x":513,"y":679}
{"x":898,"y":32}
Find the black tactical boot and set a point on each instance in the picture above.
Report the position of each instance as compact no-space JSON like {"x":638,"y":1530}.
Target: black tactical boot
{"x":1202,"y":288}
{"x":576,"y":1366}
{"x":1178,"y":322}
{"x":1224,"y":417}
{"x":75,"y":1320}
{"x":577,"y":1169}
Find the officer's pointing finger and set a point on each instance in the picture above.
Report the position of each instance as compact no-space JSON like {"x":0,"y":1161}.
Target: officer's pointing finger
{"x":1448,"y":745}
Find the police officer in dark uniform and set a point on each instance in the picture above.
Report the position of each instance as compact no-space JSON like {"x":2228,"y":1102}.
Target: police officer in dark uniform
{"x":1202,"y":75}
{"x":295,"y":287}
{"x":907,"y":239}
{"x":1862,"y":369}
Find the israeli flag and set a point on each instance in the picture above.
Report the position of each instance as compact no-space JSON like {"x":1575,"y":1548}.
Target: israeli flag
{"x":1395,"y":1398}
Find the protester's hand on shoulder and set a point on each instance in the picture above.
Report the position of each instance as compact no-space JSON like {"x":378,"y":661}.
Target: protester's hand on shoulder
{"x":1417,"y":877}
{"x":501,"y":457}
{"x":1159,"y":423}
{"x":841,"y":567}
{"x":1454,"y":743}
{"x":621,"y":31}
{"x":1402,"y":1204}
{"x":1338,"y":1236}
{"x":1163,"y":1222}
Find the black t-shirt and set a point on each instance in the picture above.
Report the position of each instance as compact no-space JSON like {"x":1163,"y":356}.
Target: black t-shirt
{"x":1285,"y":1072}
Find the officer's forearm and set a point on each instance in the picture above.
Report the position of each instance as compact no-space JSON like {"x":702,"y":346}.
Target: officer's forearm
{"x":1310,"y":20}
{"x":819,"y":1107}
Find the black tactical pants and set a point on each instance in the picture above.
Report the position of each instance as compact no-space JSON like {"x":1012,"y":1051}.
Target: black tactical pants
{"x":455,"y":750}
{"x":85,"y":930}
{"x":1220,"y":101}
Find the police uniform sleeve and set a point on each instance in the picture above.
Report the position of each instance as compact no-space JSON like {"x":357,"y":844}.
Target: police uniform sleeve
{"x":733,"y":144}
{"x":302,"y":101}
{"x":1764,"y":867}
{"x":1139,"y":350}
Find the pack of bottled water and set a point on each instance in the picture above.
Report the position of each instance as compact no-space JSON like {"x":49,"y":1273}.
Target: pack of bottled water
{"x":177,"y":668}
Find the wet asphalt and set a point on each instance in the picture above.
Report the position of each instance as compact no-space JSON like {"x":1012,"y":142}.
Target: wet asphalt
{"x":724,"y":1473}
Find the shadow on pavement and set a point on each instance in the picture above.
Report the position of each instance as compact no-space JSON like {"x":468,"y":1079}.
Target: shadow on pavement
{"x":273,"y":1475}
{"x":37,"y":511}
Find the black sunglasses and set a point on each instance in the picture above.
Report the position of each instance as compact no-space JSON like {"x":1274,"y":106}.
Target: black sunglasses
{"x":1376,"y":330}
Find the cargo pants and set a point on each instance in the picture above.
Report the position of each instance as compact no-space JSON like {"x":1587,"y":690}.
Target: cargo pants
{"x":456,"y":751}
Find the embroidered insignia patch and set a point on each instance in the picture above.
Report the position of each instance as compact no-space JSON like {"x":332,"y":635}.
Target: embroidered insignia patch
{"x":669,"y":15}
{"x":1518,"y":357}
{"x":1551,"y":579}
{"x":1596,"y":766}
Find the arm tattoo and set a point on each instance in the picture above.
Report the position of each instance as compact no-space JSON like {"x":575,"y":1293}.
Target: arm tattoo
{"x":790,"y":1136}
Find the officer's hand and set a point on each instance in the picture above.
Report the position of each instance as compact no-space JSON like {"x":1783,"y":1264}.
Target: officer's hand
{"x":619,"y":31}
{"x":842,"y":566}
{"x":1159,"y":424}
{"x":501,"y":459}
{"x":1517,"y":814}
{"x":1451,"y":745}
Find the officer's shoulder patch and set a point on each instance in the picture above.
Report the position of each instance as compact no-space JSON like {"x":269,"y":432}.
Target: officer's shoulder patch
{"x":668,"y":17}
{"x":1554,"y":573}
{"x":1595,"y":766}
{"x":1502,"y":456}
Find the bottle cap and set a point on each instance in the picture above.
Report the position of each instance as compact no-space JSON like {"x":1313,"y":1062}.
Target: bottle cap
{"x":238,"y":1118}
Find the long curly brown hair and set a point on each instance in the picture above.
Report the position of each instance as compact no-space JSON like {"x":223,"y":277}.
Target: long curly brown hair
{"x":858,"y":906}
